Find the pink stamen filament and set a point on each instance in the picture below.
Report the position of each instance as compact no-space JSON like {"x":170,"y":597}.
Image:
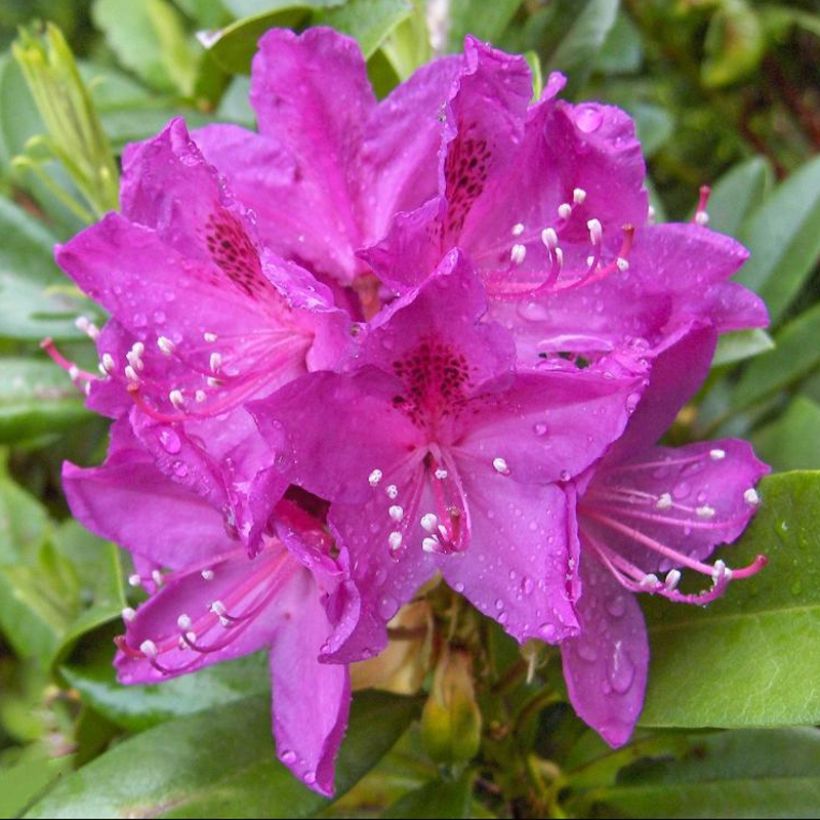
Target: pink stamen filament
{"x":70,"y":367}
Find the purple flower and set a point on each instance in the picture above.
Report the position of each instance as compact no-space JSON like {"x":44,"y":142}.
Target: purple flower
{"x":440,"y":456}
{"x":210,"y":602}
{"x":645,"y":515}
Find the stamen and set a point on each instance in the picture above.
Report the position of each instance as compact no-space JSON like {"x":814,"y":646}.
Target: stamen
{"x":396,"y":512}
{"x":664,"y":501}
{"x":565,"y":210}
{"x":751,"y":497}
{"x":184,"y":622}
{"x":165,"y":345}
{"x":717,"y":455}
{"x":595,"y":231}
{"x":430,"y":544}
{"x":518,"y":253}
{"x":550,"y":238}
{"x":134,"y":580}
{"x":394,"y":540}
{"x":176,"y":398}
{"x":209,"y":337}
{"x":578,"y":195}
{"x":705,"y":511}
{"x":149,"y":649}
{"x":207,"y":574}
{"x":701,"y":216}
{"x":429,"y":522}
{"x":440,"y":474}
{"x":500,"y":466}
{"x":375,"y":477}
{"x":128,"y":614}
{"x":518,"y":229}
{"x":392,"y":491}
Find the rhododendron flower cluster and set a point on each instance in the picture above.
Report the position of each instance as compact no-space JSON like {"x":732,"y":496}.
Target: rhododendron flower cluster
{"x":380,"y":341}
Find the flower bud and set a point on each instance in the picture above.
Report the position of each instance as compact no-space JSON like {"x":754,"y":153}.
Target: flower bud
{"x":451,"y":720}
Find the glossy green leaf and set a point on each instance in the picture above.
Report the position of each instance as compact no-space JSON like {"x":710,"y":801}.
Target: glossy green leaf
{"x":743,"y":660}
{"x":654,"y":125}
{"x":369,"y":21}
{"x":36,"y":397}
{"x":23,"y":520}
{"x":738,"y":192}
{"x":487,"y":21}
{"x":727,"y":774}
{"x":439,"y":798}
{"x":249,"y":8}
{"x":783,"y":235}
{"x":149,"y":38}
{"x":796,"y":354}
{"x":574,"y":35}
{"x":91,"y":672}
{"x":233,"y":47}
{"x":792,"y":442}
{"x":23,"y":782}
{"x":740,"y":345}
{"x":218,"y":763}
{"x":622,"y":50}
{"x":407,"y":46}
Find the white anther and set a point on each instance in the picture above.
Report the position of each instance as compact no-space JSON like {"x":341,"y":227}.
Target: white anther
{"x":396,"y":512}
{"x":717,"y":455}
{"x":702,"y":218}
{"x":430,"y":544}
{"x":672,"y":579}
{"x":578,"y":195}
{"x":131,"y":374}
{"x":200,"y":396}
{"x":595,"y":231}
{"x":550,"y":238}
{"x":165,"y":345}
{"x":128,"y":614}
{"x":138,"y":348}
{"x":394,"y":540}
{"x":751,"y":497}
{"x":207,"y":574}
{"x":564,"y":210}
{"x":429,"y":522}
{"x":107,"y":363}
{"x":518,"y":253}
{"x":184,"y":622}
{"x":209,"y":337}
{"x":213,"y":382}
{"x":500,"y":465}
{"x":375,"y":477}
{"x":720,"y":570}
{"x":705,"y":511}
{"x":622,"y":264}
{"x":440,"y":474}
{"x":149,"y":649}
{"x":392,"y":491}
{"x":177,"y":399}
{"x":134,"y":580}
{"x":82,"y":323}
{"x":156,"y":577}
{"x":518,"y":229}
{"x":650,"y":215}
{"x":590,"y":261}
{"x":559,"y":257}
{"x":664,"y":501}
{"x":218,"y":608}
{"x":73,"y":372}
{"x":649,"y":581}
{"x":215,"y":361}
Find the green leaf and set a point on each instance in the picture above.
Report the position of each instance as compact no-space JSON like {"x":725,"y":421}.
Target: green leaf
{"x":24,"y":781}
{"x":406,"y":47}
{"x":233,"y":47}
{"x":91,"y":672}
{"x":654,"y":125}
{"x":149,"y":38}
{"x":792,"y":442}
{"x":215,"y":763}
{"x":796,"y":354}
{"x":734,"y":44}
{"x":727,"y":774}
{"x":783,"y":235}
{"x":250,"y":8}
{"x":487,"y":21}
{"x":439,"y":798}
{"x":743,"y":660}
{"x":36,"y":397}
{"x":29,"y":309}
{"x":740,"y":345}
{"x":369,"y":21}
{"x":574,"y":35}
{"x":738,"y":192}
{"x":23,"y":520}
{"x":622,"y":51}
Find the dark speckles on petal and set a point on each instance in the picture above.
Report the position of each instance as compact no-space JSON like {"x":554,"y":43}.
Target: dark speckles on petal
{"x":233,"y":252}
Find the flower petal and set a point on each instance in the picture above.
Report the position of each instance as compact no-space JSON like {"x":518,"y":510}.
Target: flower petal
{"x":605,"y":667}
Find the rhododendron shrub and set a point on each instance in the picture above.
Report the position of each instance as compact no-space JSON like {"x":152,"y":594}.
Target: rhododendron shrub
{"x":375,"y":342}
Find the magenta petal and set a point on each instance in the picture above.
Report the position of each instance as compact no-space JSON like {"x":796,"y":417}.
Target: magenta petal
{"x":311,"y":700}
{"x":212,"y":612}
{"x":517,"y":566}
{"x":686,"y":499}
{"x":312,"y":96}
{"x":129,"y":501}
{"x":605,"y":667}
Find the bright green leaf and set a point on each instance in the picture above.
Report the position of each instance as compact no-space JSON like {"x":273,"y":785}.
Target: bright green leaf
{"x":740,"y":345}
{"x":484,"y":20}
{"x":783,"y":235}
{"x":734,"y":44}
{"x":728,"y":774}
{"x":219,"y":762}
{"x":369,"y":21}
{"x":738,"y":192}
{"x":622,"y":51}
{"x":36,"y":397}
{"x":743,"y":660}
{"x":792,"y":442}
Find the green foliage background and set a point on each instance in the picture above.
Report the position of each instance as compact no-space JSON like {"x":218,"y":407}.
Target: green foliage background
{"x":724,"y":92}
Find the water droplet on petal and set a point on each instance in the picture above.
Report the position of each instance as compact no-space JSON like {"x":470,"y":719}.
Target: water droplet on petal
{"x":170,"y":440}
{"x":588,"y":118}
{"x":586,"y":651}
{"x":620,"y":669}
